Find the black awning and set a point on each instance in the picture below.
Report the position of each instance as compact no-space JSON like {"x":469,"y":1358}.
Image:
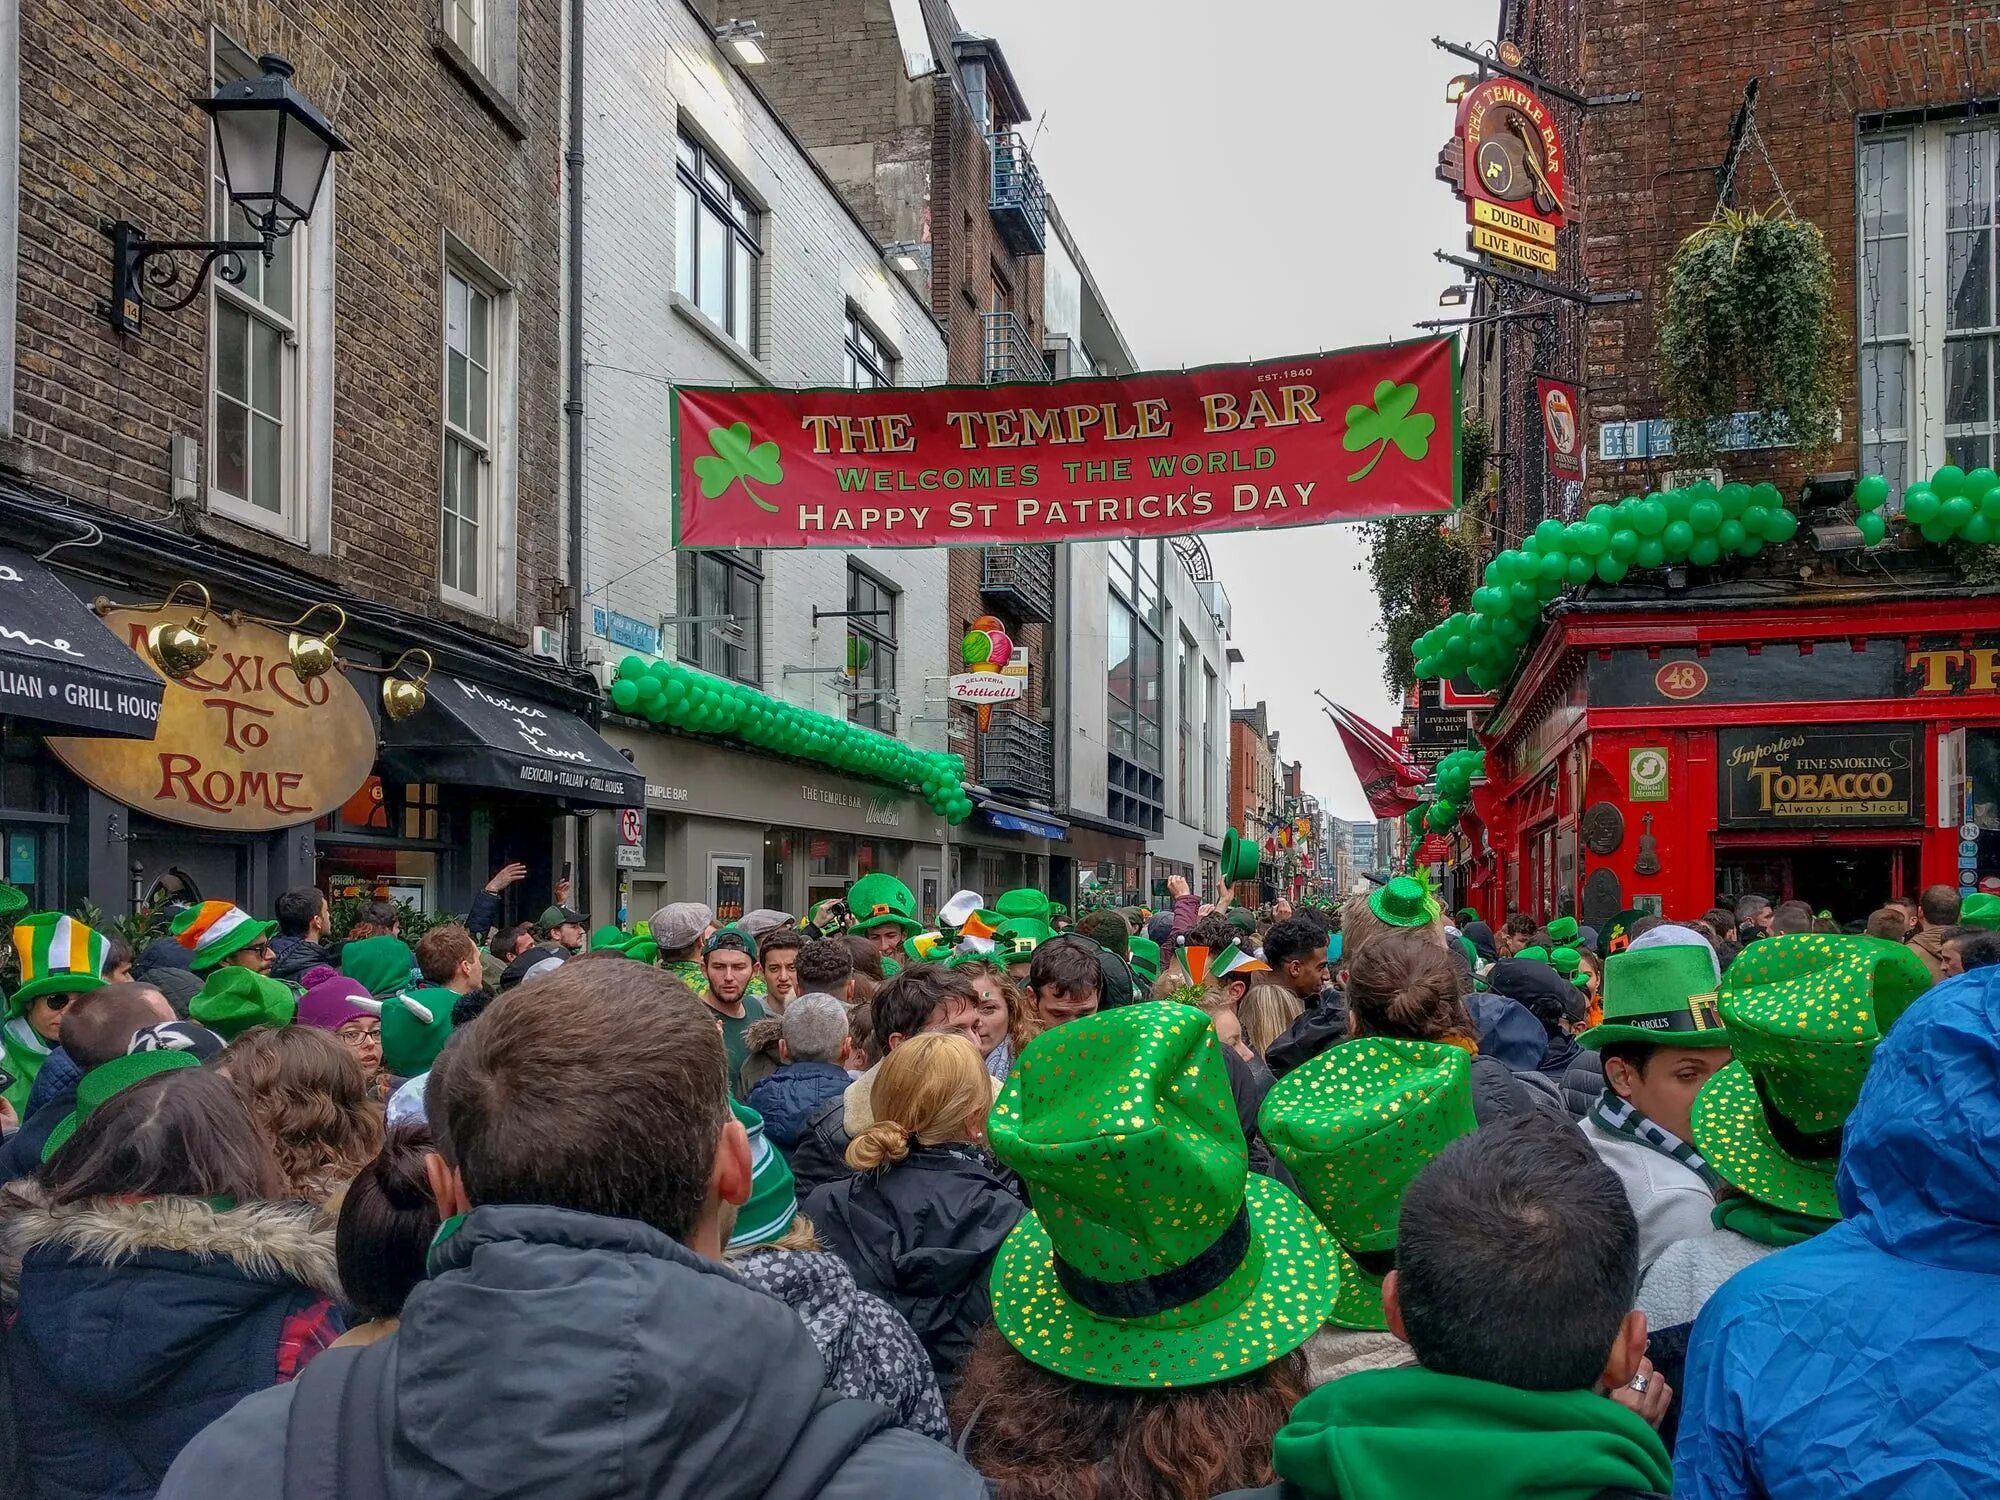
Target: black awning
{"x":61,"y":666}
{"x":480,"y":736}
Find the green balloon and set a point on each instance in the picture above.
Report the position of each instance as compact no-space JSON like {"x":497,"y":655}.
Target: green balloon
{"x":1978,"y":531}
{"x":1784,"y":526}
{"x":1729,"y":536}
{"x":1705,"y":552}
{"x":1948,"y":481}
{"x":1956,"y":511}
{"x":1523,"y":596}
{"x":1624,"y":544}
{"x":648,"y":688}
{"x":625,"y":692}
{"x":1651,"y":554}
{"x":1978,"y":482}
{"x":1610,"y":569}
{"x":1935,"y":530}
{"x":1677,"y":539}
{"x":1601,"y":515}
{"x":631,"y":669}
{"x":1873,"y":492}
{"x":1553,"y":567}
{"x":1594,"y":539}
{"x":1649,"y":518}
{"x":1550,"y":534}
{"x":1678,"y":504}
{"x":1581,"y":570}
{"x":1734,"y":499}
{"x":1489,"y":601}
{"x":1874,"y":528}
{"x":1766,"y":495}
{"x":1705,"y":516}
{"x":1751,"y":546}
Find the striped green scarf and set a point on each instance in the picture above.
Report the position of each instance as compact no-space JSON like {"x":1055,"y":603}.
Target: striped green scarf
{"x":1615,"y":1116}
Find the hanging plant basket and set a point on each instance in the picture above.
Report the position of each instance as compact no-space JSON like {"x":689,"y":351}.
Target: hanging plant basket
{"x":1747,"y":325}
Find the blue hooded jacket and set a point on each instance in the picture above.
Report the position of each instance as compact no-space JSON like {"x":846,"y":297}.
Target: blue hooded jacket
{"x":1865,"y":1363}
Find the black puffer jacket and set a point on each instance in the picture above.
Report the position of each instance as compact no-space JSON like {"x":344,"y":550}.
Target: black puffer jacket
{"x":1323,"y":1025}
{"x":922,"y":1235}
{"x":1583,"y":1082}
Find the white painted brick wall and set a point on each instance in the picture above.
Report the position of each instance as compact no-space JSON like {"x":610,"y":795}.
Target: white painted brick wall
{"x":651,"y":66}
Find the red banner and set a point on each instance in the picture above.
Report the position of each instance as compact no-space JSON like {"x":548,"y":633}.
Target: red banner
{"x":1293,"y":442}
{"x":1562,"y":426}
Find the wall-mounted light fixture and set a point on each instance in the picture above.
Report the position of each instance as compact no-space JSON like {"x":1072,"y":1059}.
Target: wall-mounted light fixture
{"x":745,"y":39}
{"x":906,"y":256}
{"x":274,"y":147}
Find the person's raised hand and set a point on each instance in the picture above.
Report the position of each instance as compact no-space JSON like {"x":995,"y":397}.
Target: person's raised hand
{"x":506,"y":876}
{"x":1177,"y":886}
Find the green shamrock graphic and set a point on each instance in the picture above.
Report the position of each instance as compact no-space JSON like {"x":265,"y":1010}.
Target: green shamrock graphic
{"x":1392,"y":420}
{"x":737,"y":461}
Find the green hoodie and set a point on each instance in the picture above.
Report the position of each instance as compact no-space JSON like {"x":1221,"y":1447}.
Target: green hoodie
{"x":1410,"y":1433}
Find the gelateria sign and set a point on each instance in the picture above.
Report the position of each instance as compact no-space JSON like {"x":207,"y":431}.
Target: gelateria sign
{"x":243,"y":743}
{"x":1293,"y":442}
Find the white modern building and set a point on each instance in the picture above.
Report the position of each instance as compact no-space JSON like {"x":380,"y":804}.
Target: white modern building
{"x":1145,"y":750}
{"x":715,"y":251}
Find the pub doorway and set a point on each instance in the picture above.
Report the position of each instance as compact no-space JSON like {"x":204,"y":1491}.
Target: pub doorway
{"x":1849,"y":879}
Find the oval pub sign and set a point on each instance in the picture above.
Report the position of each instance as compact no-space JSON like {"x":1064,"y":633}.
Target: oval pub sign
{"x":243,"y":744}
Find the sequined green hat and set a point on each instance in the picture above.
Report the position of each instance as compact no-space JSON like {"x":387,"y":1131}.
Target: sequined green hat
{"x":1153,"y":1257}
{"x":877,"y":899}
{"x":1404,"y":902}
{"x":1354,"y":1126}
{"x":1664,"y":996}
{"x":1803,"y":1012}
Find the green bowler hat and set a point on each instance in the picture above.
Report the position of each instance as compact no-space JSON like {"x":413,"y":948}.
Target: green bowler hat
{"x":1980,"y":910}
{"x":1804,"y":1012}
{"x":1153,"y":1257}
{"x":1023,"y":901}
{"x":101,"y":1083}
{"x":1664,"y":996}
{"x":1405,"y":902}
{"x":1354,"y":1126}
{"x":877,"y":900}
{"x":610,"y":935}
{"x":1564,"y":930}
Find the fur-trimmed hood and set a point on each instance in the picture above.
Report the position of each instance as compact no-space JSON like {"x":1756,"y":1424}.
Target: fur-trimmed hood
{"x":263,"y":1241}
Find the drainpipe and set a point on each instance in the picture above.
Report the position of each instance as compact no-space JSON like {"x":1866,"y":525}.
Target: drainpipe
{"x":581,"y":828}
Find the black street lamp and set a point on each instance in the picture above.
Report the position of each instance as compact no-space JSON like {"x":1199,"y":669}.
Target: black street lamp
{"x":275,"y":147}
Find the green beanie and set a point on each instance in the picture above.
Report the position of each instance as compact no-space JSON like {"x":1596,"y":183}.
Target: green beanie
{"x":415,"y":1027}
{"x":774,"y":1196}
{"x":235,"y":999}
{"x":381,"y":963}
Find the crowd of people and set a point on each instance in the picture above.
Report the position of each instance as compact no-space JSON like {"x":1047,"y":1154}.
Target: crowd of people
{"x":1306,"y":1203}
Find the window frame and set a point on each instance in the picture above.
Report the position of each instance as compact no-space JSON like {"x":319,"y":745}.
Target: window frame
{"x":698,"y":645}
{"x":488,"y":554}
{"x":474,"y":45}
{"x":1210,"y":689}
{"x":697,"y":166}
{"x":867,"y":350}
{"x":867,"y":589}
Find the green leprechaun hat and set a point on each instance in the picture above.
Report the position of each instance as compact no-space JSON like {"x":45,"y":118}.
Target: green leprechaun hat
{"x":1019,"y":938}
{"x":1145,"y":959}
{"x":235,"y":999}
{"x":1023,"y":901}
{"x":57,"y":955}
{"x":1981,"y":910}
{"x":610,"y":935}
{"x":1404,"y":902}
{"x":101,"y":1083}
{"x":1534,"y":953}
{"x":1354,"y":1126}
{"x":1563,"y":930}
{"x":1664,"y":996}
{"x":1153,"y":1257}
{"x":1803,"y":1012}
{"x":877,"y":899}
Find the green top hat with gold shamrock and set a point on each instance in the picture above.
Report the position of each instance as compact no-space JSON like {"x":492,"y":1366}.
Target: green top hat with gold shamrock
{"x":1405,"y":902}
{"x":877,"y":900}
{"x":1803,"y":1013}
{"x":1018,"y":938}
{"x":1354,"y":1126}
{"x":1663,"y":996}
{"x":57,"y":955}
{"x":1153,"y":1257}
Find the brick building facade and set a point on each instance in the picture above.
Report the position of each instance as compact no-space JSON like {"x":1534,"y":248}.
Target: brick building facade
{"x":372,"y":418}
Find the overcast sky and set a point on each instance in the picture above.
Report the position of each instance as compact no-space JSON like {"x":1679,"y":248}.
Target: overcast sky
{"x":1251,"y":180}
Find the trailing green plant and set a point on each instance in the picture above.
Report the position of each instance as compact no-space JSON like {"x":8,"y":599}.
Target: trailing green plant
{"x":1747,"y":324}
{"x":1424,"y":567}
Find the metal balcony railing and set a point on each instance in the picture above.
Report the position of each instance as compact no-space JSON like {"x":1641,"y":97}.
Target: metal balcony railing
{"x":1019,"y":206}
{"x":1020,"y":581}
{"x":1017,"y":759}
{"x":1010,"y":353}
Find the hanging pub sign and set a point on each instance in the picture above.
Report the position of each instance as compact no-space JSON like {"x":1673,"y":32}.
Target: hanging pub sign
{"x":1346,"y":436}
{"x":243,"y":743}
{"x":1806,"y":777}
{"x":1562,"y":431}
{"x":1513,"y":162}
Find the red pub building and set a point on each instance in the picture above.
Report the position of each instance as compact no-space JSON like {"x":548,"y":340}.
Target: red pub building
{"x":1837,"y":743}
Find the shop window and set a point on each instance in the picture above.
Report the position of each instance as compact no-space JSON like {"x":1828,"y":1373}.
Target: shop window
{"x":869,"y":361}
{"x":871,"y":649}
{"x":407,"y":810}
{"x":476,"y":497}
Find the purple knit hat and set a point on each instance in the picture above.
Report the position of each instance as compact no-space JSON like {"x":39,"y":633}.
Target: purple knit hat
{"x":332,"y":1003}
